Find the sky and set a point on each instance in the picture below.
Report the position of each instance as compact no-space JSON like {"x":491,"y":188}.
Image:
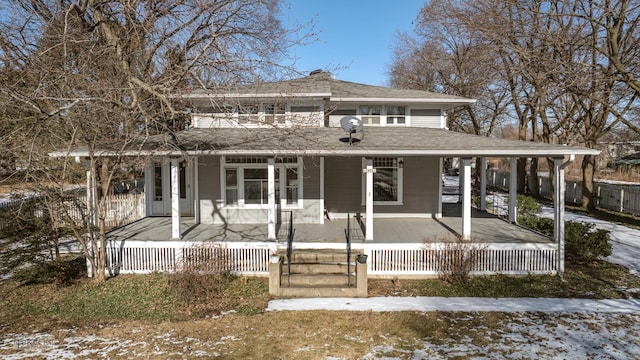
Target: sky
{"x":356,"y":37}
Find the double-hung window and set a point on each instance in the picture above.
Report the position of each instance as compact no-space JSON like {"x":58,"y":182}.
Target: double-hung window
{"x":370,"y":114}
{"x":396,"y":115}
{"x":274,"y":113}
{"x":387,"y":181}
{"x":246,"y":181}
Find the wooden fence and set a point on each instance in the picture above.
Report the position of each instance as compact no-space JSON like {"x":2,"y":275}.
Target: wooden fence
{"x":620,"y":198}
{"x":121,"y":209}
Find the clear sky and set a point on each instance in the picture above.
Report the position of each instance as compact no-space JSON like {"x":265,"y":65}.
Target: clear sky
{"x":356,"y":36}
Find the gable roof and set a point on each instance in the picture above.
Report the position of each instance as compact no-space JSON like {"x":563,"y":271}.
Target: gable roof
{"x":322,"y":85}
{"x":376,"y":141}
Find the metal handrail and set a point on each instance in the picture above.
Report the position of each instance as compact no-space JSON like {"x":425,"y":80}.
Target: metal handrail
{"x":290,"y":247}
{"x":348,"y":238}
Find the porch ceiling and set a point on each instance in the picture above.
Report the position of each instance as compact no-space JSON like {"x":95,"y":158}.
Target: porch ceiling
{"x":375,"y":141}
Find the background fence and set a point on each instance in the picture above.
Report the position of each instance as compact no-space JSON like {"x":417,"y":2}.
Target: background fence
{"x":616,"y":197}
{"x":121,"y":209}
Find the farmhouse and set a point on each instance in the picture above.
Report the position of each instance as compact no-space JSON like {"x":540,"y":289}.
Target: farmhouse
{"x":321,"y":167}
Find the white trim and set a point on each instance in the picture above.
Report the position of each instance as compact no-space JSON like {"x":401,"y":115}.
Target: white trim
{"x":440,"y":180}
{"x":483,"y":183}
{"x":271,"y":196}
{"x":466,"y":198}
{"x":345,"y":151}
{"x":249,"y":96}
{"x":322,"y":190}
{"x":405,"y":100}
{"x":513,"y":187}
{"x":369,"y":200}
{"x":196,"y":191}
{"x":175,"y":199}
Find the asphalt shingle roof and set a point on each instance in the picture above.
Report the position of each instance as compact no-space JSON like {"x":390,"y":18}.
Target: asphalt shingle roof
{"x":331,"y":142}
{"x":335,"y":89}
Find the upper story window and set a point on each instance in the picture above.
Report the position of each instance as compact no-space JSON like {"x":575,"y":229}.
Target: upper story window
{"x":248,"y":113}
{"x":370,"y":114}
{"x":396,"y":115}
{"x":274,"y":113}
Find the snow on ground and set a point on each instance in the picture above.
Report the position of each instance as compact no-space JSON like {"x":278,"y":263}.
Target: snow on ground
{"x":514,"y":336}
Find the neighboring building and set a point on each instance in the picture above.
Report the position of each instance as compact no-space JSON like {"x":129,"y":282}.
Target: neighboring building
{"x":259,"y":156}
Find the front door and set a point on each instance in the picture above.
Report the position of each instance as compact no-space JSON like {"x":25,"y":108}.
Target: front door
{"x":161,"y":189}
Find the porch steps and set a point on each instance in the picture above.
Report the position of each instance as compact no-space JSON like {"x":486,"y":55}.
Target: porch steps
{"x":318,"y":273}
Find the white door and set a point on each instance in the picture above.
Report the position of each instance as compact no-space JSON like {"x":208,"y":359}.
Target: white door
{"x":161,"y":189}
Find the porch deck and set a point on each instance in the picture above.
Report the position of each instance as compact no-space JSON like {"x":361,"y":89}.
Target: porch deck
{"x":485,"y":228}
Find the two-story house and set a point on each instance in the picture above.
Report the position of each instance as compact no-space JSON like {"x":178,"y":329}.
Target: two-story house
{"x":260,"y":160}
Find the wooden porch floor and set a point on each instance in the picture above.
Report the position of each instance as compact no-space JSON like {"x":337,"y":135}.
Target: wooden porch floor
{"x":484,"y":227}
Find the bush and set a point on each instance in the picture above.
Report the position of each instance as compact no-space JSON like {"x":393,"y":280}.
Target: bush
{"x":583,"y":242}
{"x":62,"y":271}
{"x":527,"y":207}
{"x":458,"y":259}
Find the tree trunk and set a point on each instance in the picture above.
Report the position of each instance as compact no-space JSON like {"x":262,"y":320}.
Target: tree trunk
{"x":588,"y":172}
{"x":533,"y":179}
{"x":522,"y":175}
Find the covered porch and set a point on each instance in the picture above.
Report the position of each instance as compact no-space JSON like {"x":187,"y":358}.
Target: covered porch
{"x":402,"y":247}
{"x":487,"y":228}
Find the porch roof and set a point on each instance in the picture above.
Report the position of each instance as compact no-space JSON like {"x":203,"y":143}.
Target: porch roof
{"x":374,"y":141}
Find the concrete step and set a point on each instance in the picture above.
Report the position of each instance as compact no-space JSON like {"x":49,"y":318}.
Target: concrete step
{"x":308,"y":292}
{"x":320,"y":268}
{"x":319,"y":256}
{"x":317,"y":280}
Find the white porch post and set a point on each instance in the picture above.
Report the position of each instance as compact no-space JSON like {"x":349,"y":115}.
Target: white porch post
{"x":175,"y":199}
{"x":513,"y":189}
{"x":483,"y":184}
{"x":322,"y":190}
{"x":196,"y":191}
{"x":438,"y":215}
{"x":558,"y":207}
{"x":271,"y":194}
{"x":369,"y":200}
{"x":148,"y":186}
{"x":465,"y":164}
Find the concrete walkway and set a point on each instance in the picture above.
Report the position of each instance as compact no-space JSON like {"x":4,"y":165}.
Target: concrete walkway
{"x":420,"y":303}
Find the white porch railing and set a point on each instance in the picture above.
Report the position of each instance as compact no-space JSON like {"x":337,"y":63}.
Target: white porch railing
{"x":143,"y":257}
{"x":121,"y":209}
{"x":424,"y":259}
{"x":252,"y":258}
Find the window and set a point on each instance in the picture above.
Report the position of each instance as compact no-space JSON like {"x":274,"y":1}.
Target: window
{"x":370,"y":114}
{"x":231,"y":183}
{"x":274,"y":113}
{"x":387,"y":181}
{"x":246,"y":181}
{"x":256,"y":186}
{"x":396,"y":115}
{"x":247,"y":113}
{"x":157,"y":182}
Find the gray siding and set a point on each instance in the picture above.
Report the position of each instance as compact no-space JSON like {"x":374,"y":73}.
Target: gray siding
{"x":343,"y":184}
{"x":430,"y":118}
{"x":421,"y":181}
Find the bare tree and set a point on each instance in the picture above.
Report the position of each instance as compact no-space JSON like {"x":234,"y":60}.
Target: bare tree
{"x":98,"y":76}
